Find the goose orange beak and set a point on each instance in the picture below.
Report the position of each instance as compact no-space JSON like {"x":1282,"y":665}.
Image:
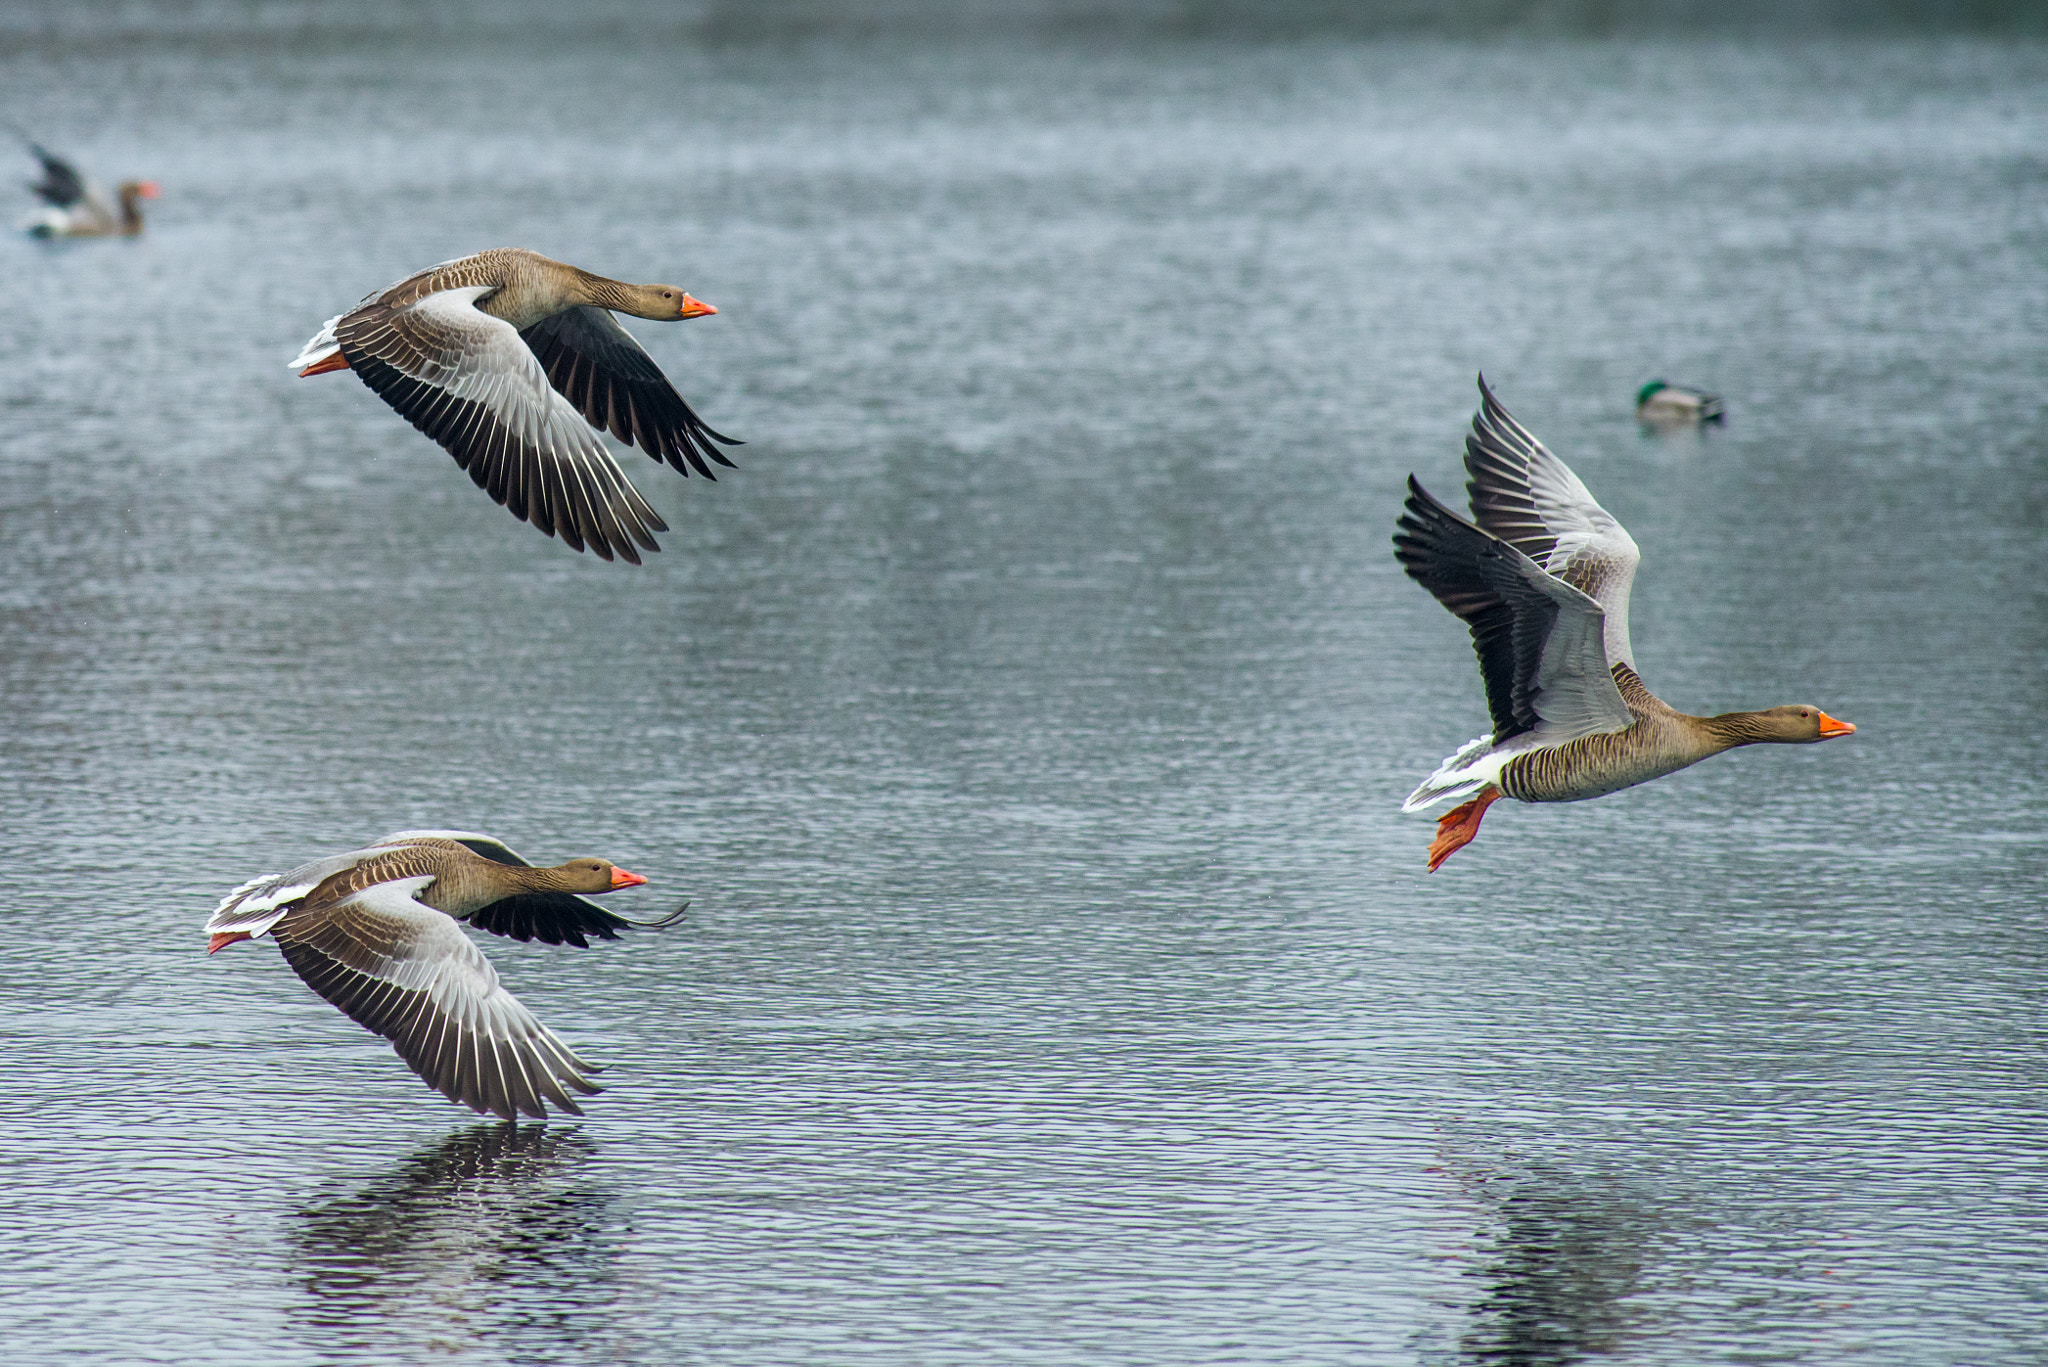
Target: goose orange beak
{"x":696,"y":308}
{"x":623,"y":879}
{"x":1830,"y":728}
{"x":149,"y":189}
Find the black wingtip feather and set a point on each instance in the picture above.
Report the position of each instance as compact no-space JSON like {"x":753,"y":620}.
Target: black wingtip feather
{"x":1448,"y":556}
{"x":609,"y":378}
{"x":663,"y":923}
{"x":551,"y":918}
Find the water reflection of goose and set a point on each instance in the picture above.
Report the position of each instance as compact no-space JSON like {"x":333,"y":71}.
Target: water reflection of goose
{"x":473,"y":1229}
{"x":1565,"y":1256}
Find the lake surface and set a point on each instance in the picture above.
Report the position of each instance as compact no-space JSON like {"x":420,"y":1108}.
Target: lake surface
{"x":1026,"y":719}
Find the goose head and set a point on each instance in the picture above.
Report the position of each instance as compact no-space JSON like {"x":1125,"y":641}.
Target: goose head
{"x":591,"y":875}
{"x":664,"y":302}
{"x":1792,"y":724}
{"x":132,"y":193}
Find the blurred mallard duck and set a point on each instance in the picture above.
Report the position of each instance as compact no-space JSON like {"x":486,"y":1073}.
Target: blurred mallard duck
{"x":1673,"y":405}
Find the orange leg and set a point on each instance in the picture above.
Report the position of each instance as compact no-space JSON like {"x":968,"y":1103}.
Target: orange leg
{"x":335,"y":362}
{"x":1455,"y":829}
{"x":225,"y":938}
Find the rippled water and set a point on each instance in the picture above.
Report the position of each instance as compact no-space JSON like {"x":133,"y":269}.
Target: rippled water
{"x":1026,"y":719}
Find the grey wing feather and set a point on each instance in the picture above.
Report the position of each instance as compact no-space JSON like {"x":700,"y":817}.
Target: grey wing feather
{"x":407,"y":972}
{"x":467,"y":380}
{"x":1530,"y":499}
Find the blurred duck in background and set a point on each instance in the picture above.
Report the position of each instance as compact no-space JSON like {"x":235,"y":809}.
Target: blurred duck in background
{"x":72,"y":207}
{"x":1664,"y":407}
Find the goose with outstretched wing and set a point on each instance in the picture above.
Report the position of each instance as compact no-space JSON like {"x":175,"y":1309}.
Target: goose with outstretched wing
{"x":1541,"y":576}
{"x":376,"y":931}
{"x":513,"y":363}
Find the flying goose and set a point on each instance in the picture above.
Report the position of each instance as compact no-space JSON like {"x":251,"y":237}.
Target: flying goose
{"x":501,"y":357}
{"x":375,"y":931}
{"x":74,"y":208}
{"x":1542,"y":580}
{"x":1662,"y":405}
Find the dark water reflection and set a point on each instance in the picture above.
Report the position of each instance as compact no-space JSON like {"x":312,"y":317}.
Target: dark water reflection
{"x":489,"y":1235}
{"x":1560,"y":1260}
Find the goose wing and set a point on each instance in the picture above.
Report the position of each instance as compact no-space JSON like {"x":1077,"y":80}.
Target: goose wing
{"x":61,"y":184}
{"x":405,"y":971}
{"x":556,"y":918}
{"x":467,"y":380}
{"x":1530,"y":499}
{"x":1538,"y":638}
{"x":603,"y":371}
{"x":553,"y":918}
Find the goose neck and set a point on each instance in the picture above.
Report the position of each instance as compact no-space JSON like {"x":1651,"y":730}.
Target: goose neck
{"x":1731,"y":729}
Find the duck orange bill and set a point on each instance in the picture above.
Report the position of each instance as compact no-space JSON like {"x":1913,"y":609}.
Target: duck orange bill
{"x":1830,"y":727}
{"x":696,"y":308}
{"x":623,"y":879}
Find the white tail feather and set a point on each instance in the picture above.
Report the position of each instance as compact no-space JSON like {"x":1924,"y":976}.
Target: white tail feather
{"x":1458,"y":776}
{"x":320,"y":348}
{"x":257,"y":905}
{"x":47,"y":223}
{"x":239,"y":893}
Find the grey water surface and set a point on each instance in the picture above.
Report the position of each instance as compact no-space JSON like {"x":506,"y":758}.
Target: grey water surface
{"x":1026,"y":719}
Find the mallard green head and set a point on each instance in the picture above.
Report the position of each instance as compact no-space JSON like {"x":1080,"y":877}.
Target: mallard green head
{"x":1643,"y":394}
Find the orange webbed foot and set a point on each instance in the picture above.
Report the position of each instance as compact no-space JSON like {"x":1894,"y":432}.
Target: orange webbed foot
{"x":1455,"y":828}
{"x":222,"y":939}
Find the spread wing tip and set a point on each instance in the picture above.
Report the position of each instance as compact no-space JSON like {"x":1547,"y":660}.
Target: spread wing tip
{"x":663,"y":923}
